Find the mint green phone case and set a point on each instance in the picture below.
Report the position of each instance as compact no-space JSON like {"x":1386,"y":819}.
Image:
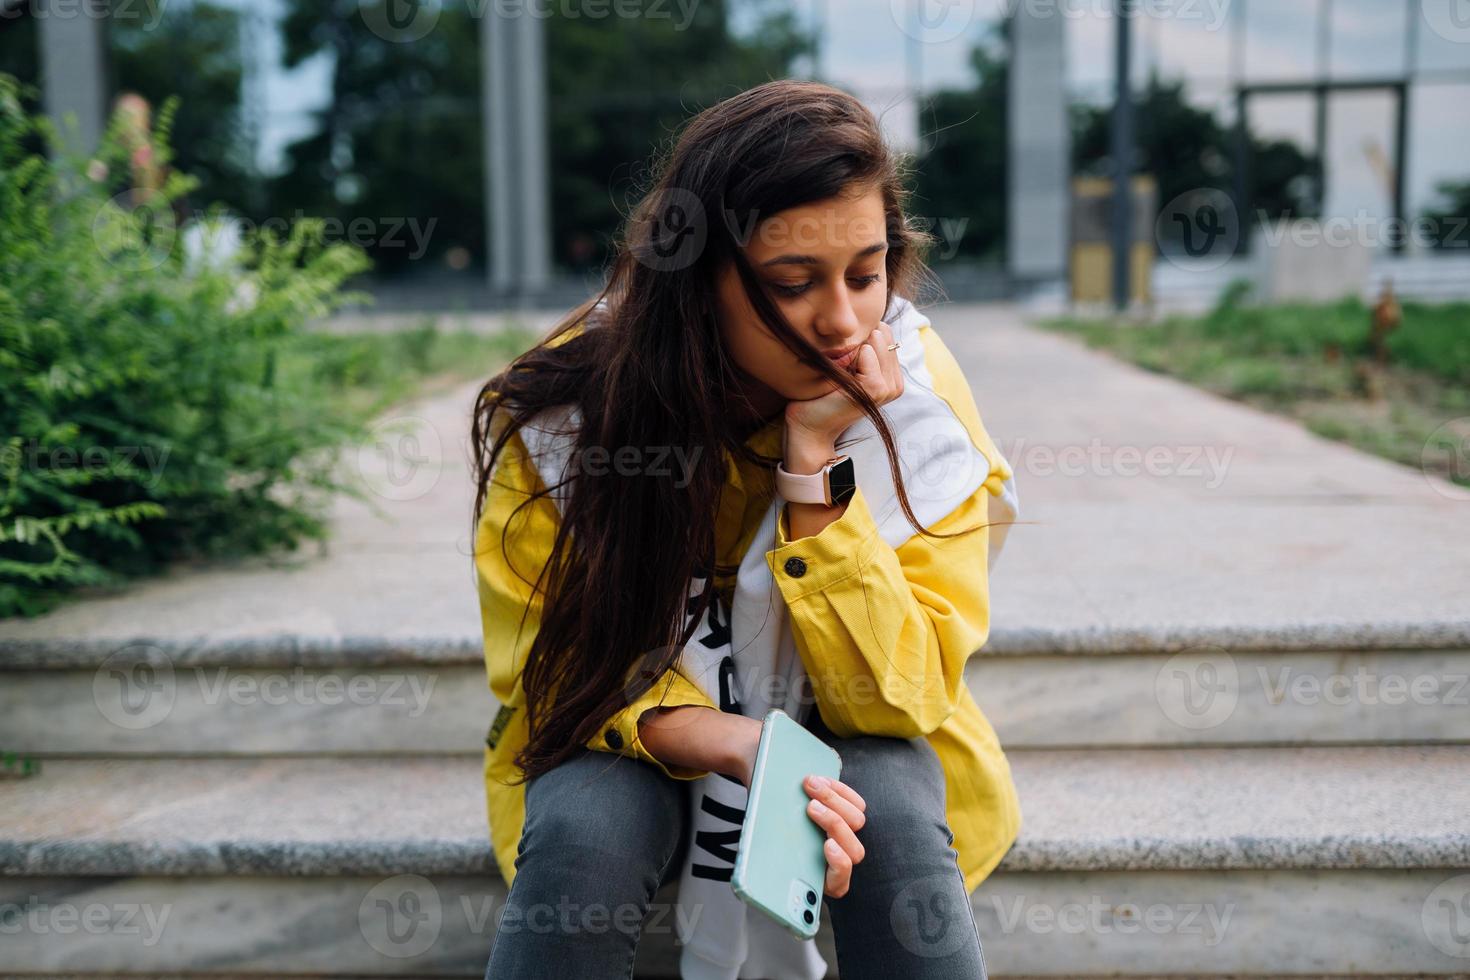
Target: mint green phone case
{"x":779,"y":864}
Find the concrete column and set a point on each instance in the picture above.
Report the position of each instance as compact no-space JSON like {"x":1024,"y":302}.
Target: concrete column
{"x":1039,"y":148}
{"x":517,"y":181}
{"x":74,"y":70}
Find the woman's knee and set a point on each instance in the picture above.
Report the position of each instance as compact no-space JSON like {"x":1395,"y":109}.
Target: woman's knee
{"x":902,"y":783}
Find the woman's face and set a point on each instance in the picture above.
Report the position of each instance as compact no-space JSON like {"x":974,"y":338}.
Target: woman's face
{"x":823,"y":265}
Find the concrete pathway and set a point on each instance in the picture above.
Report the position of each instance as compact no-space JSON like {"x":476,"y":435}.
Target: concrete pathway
{"x":1163,"y":517}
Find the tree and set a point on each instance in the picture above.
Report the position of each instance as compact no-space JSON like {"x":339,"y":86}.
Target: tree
{"x":401,"y":133}
{"x":1186,"y":148}
{"x":1452,"y":219}
{"x":962,"y":164}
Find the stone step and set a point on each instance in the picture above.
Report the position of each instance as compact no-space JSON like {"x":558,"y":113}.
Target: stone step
{"x":141,"y":701}
{"x":1247,"y":861}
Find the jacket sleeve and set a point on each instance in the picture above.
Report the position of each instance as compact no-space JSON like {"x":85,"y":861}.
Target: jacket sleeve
{"x":504,"y":596}
{"x":884,"y":632}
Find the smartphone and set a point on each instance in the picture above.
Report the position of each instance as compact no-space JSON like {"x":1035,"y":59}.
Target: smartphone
{"x":779,"y":864}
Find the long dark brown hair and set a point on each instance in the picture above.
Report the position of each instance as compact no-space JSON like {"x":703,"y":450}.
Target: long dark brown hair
{"x":654,"y":373}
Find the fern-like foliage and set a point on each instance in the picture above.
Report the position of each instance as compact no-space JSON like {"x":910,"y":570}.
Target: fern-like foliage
{"x":142,"y":415}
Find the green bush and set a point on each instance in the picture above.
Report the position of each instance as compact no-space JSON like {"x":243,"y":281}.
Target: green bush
{"x":142,"y":415}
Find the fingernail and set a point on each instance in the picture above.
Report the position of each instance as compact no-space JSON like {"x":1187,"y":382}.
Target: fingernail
{"x":818,"y":807}
{"x":819,"y":782}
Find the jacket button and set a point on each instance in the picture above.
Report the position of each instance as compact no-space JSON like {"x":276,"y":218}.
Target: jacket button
{"x":795,"y":567}
{"x":614,"y":738}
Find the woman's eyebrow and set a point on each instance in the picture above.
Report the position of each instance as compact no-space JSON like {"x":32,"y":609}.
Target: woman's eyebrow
{"x":813,"y":260}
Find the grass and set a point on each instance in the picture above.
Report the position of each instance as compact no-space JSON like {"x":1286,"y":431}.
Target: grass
{"x":367,"y":373}
{"x":1314,"y":364}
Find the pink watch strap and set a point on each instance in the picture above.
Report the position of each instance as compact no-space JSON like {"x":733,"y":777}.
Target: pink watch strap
{"x":804,"y":488}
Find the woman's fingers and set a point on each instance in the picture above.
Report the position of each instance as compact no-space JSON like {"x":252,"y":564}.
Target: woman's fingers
{"x":839,"y":810}
{"x":842,"y":798}
{"x":882,"y":377}
{"x":839,"y":870}
{"x":837,"y":828}
{"x":838,"y":786}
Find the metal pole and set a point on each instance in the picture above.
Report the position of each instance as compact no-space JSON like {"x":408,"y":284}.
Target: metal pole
{"x":1122,"y":153}
{"x":1400,"y":161}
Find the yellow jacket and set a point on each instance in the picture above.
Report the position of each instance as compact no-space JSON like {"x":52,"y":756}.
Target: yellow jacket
{"x":921,"y":609}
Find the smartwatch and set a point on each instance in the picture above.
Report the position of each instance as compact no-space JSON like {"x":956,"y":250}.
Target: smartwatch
{"x":833,"y":484}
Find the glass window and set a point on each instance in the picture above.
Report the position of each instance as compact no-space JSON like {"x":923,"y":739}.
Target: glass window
{"x":1281,"y":39}
{"x":1442,"y":35}
{"x":1192,"y":41}
{"x":1367,"y":38}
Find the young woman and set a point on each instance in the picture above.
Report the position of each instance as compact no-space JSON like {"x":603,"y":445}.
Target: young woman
{"x":753,"y":408}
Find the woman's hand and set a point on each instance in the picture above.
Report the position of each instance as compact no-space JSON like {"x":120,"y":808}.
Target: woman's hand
{"x":838,"y":809}
{"x":819,"y":421}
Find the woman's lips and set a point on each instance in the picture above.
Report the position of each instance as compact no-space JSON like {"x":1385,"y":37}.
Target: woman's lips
{"x":846,"y":359}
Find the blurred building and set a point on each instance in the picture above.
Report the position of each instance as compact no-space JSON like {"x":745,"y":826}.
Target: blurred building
{"x":1349,"y":113}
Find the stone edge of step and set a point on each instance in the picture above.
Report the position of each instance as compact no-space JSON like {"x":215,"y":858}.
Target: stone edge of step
{"x":320,"y":650}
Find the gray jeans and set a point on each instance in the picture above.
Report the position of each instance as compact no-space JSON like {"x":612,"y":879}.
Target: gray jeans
{"x":603,"y":833}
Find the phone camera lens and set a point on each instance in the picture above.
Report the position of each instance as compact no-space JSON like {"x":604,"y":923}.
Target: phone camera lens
{"x":811,"y":897}
{"x":807,"y":916}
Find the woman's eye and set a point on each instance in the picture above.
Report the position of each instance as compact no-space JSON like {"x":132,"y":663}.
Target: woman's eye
{"x":862,"y":282}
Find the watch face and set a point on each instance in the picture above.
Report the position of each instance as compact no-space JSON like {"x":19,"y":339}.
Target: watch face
{"x":842,"y":479}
